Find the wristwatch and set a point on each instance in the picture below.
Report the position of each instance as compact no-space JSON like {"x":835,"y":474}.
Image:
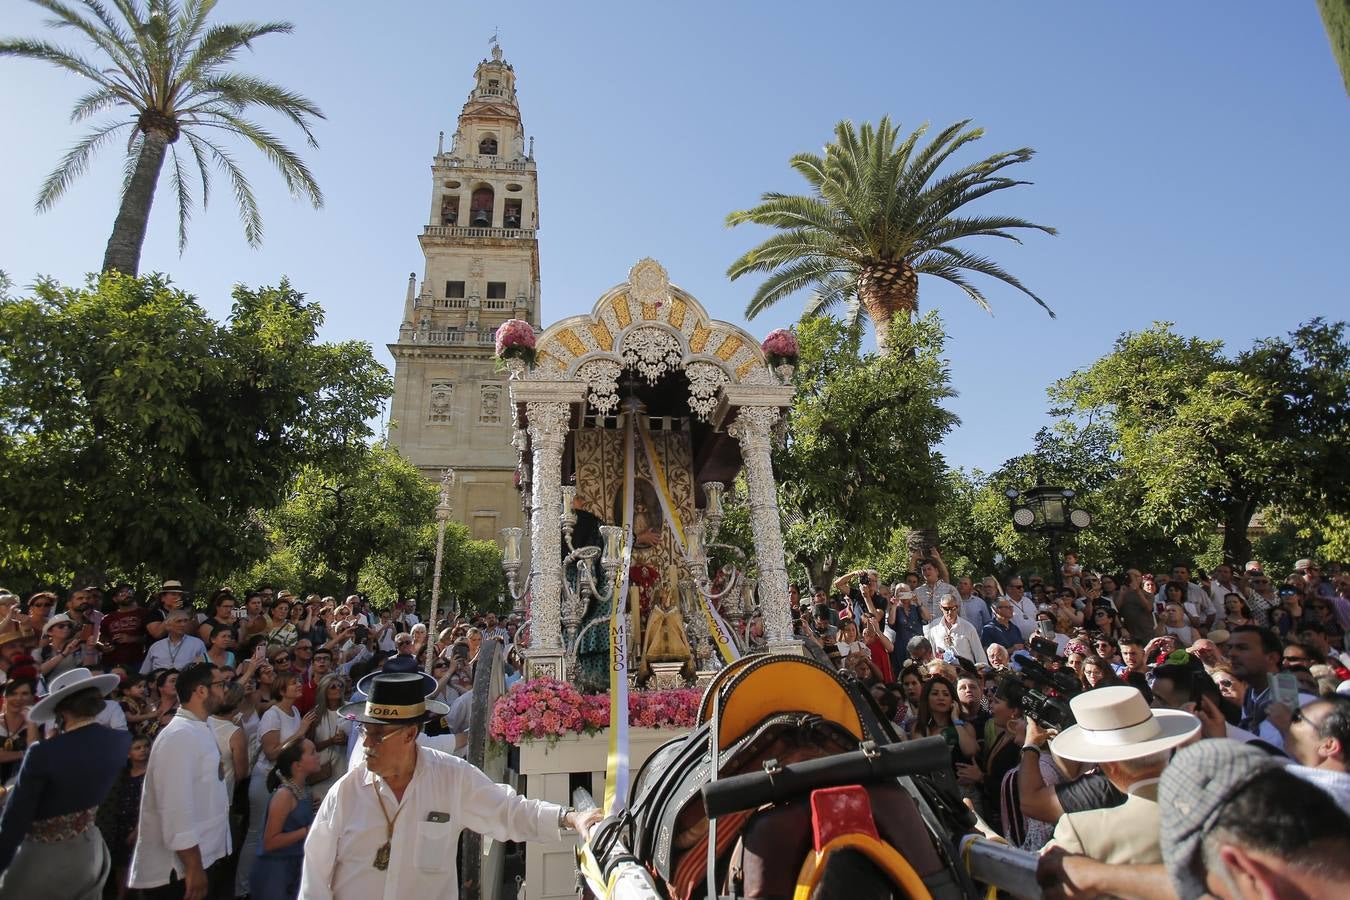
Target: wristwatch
{"x":1033,"y":748}
{"x":563,"y":813}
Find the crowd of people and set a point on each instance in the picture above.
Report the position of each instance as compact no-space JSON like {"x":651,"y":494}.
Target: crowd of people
{"x":244,"y":691}
{"x":223,"y":724}
{"x":1064,"y":704}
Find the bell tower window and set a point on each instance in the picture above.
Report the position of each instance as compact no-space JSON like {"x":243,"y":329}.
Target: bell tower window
{"x":450,"y":210}
{"x":488,"y":146}
{"x":511,"y":213}
{"x":480,"y":208}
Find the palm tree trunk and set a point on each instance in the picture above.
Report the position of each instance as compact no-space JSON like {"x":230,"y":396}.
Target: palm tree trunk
{"x":128,"y":234}
{"x":886,"y":290}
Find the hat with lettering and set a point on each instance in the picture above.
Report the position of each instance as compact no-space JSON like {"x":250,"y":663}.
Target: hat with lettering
{"x":397,"y":699}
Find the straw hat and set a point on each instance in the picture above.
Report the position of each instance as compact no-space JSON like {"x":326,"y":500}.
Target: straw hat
{"x":65,"y":684}
{"x":1116,"y":723}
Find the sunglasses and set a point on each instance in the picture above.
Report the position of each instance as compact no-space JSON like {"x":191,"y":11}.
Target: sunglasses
{"x":1225,"y":683}
{"x":949,"y":609}
{"x":280,"y":659}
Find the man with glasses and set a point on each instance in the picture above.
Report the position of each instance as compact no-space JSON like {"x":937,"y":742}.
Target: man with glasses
{"x":183,"y":838}
{"x":953,"y":634}
{"x":1002,"y":630}
{"x":1024,"y":608}
{"x":1317,"y":736}
{"x":390,"y":826}
{"x":177,"y":649}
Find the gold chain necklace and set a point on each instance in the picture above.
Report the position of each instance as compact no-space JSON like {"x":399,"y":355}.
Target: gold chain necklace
{"x":382,"y":854}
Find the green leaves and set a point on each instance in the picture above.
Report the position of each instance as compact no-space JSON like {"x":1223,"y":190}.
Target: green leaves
{"x":858,"y":459}
{"x":162,"y":64}
{"x":1211,"y":439}
{"x":136,"y":431}
{"x":874,"y":200}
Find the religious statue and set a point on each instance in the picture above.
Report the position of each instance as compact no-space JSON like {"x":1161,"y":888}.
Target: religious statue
{"x":664,"y":638}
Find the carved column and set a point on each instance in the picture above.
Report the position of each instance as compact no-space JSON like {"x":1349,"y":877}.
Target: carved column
{"x":548,"y":423}
{"x":752,"y":430}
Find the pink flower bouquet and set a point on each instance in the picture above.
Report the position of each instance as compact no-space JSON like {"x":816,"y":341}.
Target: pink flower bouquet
{"x":549,"y":709}
{"x":515,"y":340}
{"x":781,"y":347}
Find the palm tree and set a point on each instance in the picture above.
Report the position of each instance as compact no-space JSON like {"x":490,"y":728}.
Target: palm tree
{"x":162,"y":63}
{"x":876,"y":219}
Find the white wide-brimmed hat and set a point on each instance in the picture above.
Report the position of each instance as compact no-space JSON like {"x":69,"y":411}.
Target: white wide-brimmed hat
{"x":65,"y":684}
{"x":1116,"y":724}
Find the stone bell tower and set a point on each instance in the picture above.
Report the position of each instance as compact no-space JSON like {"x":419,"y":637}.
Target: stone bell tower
{"x":481,"y":268}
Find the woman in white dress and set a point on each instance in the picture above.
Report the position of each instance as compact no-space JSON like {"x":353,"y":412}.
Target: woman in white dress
{"x":330,"y":734}
{"x":281,"y":724}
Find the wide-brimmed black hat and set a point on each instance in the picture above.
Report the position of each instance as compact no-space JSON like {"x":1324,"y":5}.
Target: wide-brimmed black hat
{"x":397,"y":699}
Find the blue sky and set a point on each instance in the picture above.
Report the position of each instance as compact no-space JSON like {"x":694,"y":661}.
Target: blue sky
{"x":1192,"y":155}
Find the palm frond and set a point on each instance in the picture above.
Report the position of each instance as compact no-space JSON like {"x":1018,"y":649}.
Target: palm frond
{"x":243,"y":193}
{"x":879,"y":196}
{"x":43,"y":51}
{"x":95,"y":101}
{"x":183,"y":192}
{"x":221,"y":43}
{"x":243,"y":91}
{"x":834,"y":292}
{"x":200,"y":156}
{"x":108,"y":35}
{"x":986,"y":266}
{"x":790,"y":279}
{"x":74,"y":164}
{"x":299,"y":180}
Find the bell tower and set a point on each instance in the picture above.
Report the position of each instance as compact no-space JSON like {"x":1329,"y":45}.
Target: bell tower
{"x":481,"y":268}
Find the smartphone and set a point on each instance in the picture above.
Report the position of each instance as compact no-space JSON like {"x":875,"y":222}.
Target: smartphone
{"x":1045,"y":629}
{"x":1284,"y":689}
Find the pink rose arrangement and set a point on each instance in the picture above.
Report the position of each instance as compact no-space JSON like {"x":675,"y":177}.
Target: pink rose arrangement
{"x":781,"y":347}
{"x":515,"y":340}
{"x":548,"y":708}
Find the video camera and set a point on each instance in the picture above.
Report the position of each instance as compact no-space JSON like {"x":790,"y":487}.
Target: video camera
{"x":1046,"y":700}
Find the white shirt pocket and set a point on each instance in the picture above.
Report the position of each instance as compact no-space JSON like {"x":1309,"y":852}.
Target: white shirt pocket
{"x":435,"y":852}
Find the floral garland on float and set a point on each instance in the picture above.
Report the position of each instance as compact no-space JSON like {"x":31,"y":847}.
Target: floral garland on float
{"x":547,"y":709}
{"x":781,"y":349}
{"x":515,"y":345}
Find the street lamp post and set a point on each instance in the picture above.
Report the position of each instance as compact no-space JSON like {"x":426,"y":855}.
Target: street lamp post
{"x":442,"y":517}
{"x":1048,"y":511}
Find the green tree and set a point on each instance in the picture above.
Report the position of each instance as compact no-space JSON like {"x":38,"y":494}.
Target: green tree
{"x":137,"y":434}
{"x":164,"y":65}
{"x":1211,"y":439}
{"x":858,"y":460}
{"x":335,"y":520}
{"x":878,"y":216}
{"x":471,"y":572}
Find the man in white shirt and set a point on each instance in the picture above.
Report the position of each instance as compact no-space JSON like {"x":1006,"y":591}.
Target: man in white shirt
{"x":177,"y":649}
{"x":954,"y":633}
{"x":183,"y":840}
{"x":1024,"y":607}
{"x":389,"y":828}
